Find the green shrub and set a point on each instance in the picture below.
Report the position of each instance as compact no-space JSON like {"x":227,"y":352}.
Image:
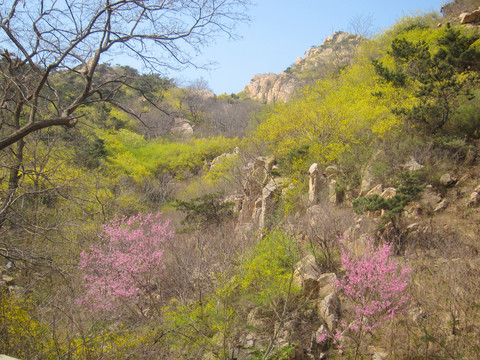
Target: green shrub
{"x":131,"y":154}
{"x":21,"y":335}
{"x":267,"y":272}
{"x":408,"y":190}
{"x":206,"y":210}
{"x":263,"y":280}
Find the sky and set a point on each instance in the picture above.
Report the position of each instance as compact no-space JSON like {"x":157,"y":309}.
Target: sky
{"x":280,"y":31}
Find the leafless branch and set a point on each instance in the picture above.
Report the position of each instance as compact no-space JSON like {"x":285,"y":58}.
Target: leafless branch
{"x":49,"y":37}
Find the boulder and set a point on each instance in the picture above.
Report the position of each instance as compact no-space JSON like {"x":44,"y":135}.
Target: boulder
{"x":315,"y":216}
{"x":367,"y":181}
{"x":257,"y":210}
{"x":430,"y":198}
{"x":442,"y":205}
{"x":332,"y":191}
{"x":182,"y":127}
{"x":389,"y":193}
{"x":474,"y":199}
{"x":329,"y":311}
{"x":313,"y":283}
{"x":6,"y":357}
{"x":412,"y":165}
{"x":262,"y":167}
{"x":326,"y":284}
{"x":377,"y":190}
{"x":256,"y":175}
{"x":413,"y":227}
{"x":417,"y":314}
{"x":412,"y":209}
{"x":378,"y":354}
{"x":447,"y":180}
{"x":368,"y":174}
{"x":306,"y":275}
{"x":7,"y":279}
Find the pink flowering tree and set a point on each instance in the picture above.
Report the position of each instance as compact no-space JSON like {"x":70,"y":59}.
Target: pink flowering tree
{"x":375,"y":291}
{"x":120,"y":271}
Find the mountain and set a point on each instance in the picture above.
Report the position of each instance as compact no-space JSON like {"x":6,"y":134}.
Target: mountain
{"x":335,"y":53}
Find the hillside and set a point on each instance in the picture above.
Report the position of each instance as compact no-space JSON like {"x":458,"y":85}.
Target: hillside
{"x":328,"y":212}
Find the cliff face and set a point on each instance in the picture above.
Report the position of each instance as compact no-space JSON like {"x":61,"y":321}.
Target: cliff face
{"x":335,"y":52}
{"x":269,"y":88}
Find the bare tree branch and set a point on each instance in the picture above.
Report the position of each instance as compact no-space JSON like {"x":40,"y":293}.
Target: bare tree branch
{"x":44,"y":39}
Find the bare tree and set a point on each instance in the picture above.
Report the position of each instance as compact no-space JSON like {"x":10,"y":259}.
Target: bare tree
{"x":51,"y":53}
{"x":44,"y":38}
{"x":362,"y":24}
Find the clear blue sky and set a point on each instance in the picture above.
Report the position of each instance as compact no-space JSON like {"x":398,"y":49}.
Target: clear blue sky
{"x":281,"y":30}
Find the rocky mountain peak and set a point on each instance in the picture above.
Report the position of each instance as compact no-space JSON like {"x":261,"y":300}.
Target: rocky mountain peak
{"x":335,"y":52}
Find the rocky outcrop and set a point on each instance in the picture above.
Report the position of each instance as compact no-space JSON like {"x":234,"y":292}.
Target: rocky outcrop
{"x":262,"y":191}
{"x":270,"y":196}
{"x":182,"y":128}
{"x":328,"y":306}
{"x":389,"y":193}
{"x":412,"y":165}
{"x":447,"y":180}
{"x":377,"y":190}
{"x":430,"y":198}
{"x":223,"y":157}
{"x":312,"y":281}
{"x":315,"y":181}
{"x":470,"y":17}
{"x":442,"y":205}
{"x":335,"y":52}
{"x":329,"y":311}
{"x":474,"y":200}
{"x":270,"y":88}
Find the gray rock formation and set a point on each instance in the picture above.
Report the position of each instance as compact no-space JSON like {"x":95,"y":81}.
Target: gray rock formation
{"x":332,"y":191}
{"x":270,"y":195}
{"x":315,"y":180}
{"x":329,"y":311}
{"x":306,"y":275}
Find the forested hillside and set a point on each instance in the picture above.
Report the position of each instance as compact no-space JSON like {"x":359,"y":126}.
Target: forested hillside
{"x":144,"y":220}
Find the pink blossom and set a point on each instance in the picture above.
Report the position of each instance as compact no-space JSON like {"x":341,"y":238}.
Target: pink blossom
{"x":123,"y":265}
{"x":375,"y":287}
